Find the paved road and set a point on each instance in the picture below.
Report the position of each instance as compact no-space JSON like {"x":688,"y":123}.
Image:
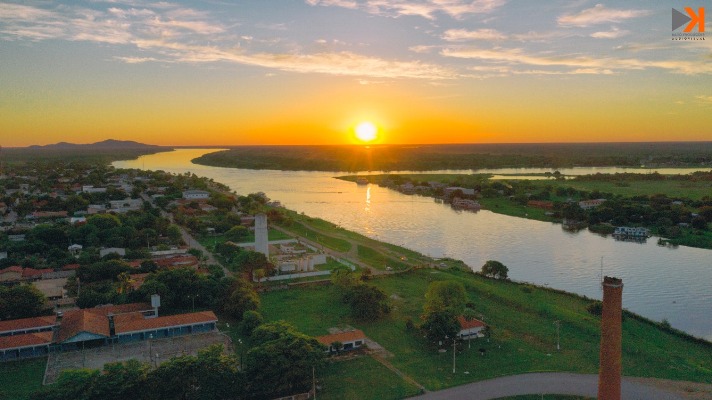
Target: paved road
{"x":545,"y":383}
{"x":188,"y":239}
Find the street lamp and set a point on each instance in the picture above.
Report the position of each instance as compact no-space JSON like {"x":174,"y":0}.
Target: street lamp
{"x":150,"y":348}
{"x":242,"y":351}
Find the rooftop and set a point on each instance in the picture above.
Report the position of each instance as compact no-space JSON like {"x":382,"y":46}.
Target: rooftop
{"x":27,"y":323}
{"x":343,"y":337}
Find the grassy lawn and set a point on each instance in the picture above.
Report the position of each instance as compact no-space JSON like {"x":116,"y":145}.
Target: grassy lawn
{"x":377,"y":260}
{"x":362,"y":378}
{"x":18,"y":379}
{"x":672,"y":188}
{"x":326,"y":240}
{"x":210,"y":241}
{"x":508,"y":207}
{"x":524,"y":336}
{"x":330,"y":264}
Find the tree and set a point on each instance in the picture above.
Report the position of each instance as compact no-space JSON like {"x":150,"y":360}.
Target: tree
{"x":337,"y":346}
{"x":495,"y":269}
{"x":237,"y":233}
{"x":367,"y":302}
{"x":280,"y":362}
{"x":21,"y":301}
{"x":174,"y":233}
{"x":242,"y":298}
{"x":699,"y":223}
{"x":439,"y":325}
{"x":250,"y":321}
{"x":248,"y":261}
{"x":445,"y":296}
{"x":344,"y":278}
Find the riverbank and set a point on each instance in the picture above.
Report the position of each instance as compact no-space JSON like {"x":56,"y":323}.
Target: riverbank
{"x":675,"y":208}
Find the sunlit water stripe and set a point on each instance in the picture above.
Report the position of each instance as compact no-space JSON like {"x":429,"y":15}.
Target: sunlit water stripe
{"x":674,"y":284}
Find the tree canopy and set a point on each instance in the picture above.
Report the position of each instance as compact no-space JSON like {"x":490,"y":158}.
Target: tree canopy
{"x":495,"y":269}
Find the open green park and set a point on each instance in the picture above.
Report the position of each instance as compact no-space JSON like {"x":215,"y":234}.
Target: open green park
{"x":523,"y":337}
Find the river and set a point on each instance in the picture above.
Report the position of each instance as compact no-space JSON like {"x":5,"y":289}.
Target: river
{"x":660,"y":282}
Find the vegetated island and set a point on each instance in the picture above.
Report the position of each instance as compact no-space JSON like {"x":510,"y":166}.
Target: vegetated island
{"x":429,"y":157}
{"x":677,"y":208}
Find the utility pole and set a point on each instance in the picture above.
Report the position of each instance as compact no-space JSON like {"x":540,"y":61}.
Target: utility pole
{"x":558,"y":324}
{"x":454,"y":351}
{"x":314,"y":383}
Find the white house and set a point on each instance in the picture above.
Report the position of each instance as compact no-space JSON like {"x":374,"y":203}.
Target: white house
{"x":470,"y":328}
{"x":195,"y":194}
{"x":92,"y":189}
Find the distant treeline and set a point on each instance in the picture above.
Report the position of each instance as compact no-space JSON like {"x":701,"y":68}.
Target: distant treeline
{"x":100,"y":156}
{"x":460,"y":156}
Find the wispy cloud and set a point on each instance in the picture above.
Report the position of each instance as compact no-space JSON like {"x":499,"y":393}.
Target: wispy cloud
{"x":423,"y":8}
{"x":463,"y":35}
{"x":599,"y":14}
{"x":170,"y":33}
{"x":582,"y":64}
{"x":614,"y":33}
{"x":704,"y":99}
{"x":459,"y":35}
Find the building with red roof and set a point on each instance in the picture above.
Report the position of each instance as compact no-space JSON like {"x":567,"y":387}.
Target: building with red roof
{"x":9,"y":274}
{"x":98,"y":326}
{"x":470,"y":328}
{"x":350,"y":340}
{"x":25,"y":345}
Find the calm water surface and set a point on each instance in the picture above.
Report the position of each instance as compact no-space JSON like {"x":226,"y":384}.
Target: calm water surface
{"x":660,"y":283}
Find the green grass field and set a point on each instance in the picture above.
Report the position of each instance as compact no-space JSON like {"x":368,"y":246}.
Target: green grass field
{"x":524,"y":336}
{"x":362,"y":378}
{"x":18,"y":379}
{"x":671,"y":188}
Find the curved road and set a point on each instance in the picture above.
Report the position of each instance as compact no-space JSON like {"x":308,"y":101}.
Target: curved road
{"x":546,"y":383}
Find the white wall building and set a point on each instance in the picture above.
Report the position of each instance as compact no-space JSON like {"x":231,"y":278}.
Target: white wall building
{"x":195,"y":194}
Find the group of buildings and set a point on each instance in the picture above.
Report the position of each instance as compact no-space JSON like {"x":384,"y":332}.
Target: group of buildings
{"x":99,"y":326}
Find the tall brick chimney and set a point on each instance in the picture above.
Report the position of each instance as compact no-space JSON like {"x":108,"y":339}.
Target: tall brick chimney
{"x":609,"y":374}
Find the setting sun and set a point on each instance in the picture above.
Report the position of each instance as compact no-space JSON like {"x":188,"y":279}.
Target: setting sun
{"x":366,"y":131}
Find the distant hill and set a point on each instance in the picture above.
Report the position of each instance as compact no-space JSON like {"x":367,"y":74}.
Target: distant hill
{"x":109,"y":144}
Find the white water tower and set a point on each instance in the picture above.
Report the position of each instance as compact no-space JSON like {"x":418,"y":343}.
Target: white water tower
{"x":261,"y":241}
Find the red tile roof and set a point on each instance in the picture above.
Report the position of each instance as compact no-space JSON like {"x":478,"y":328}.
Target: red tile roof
{"x":343,"y":337}
{"x":26,"y":340}
{"x":14,"y":268}
{"x":128,"y":323}
{"x":70,"y":267}
{"x":31,"y":272}
{"x":27,"y":323}
{"x":49,"y":214}
{"x":75,"y":322}
{"x":469,"y":324}
{"x":94,"y":320}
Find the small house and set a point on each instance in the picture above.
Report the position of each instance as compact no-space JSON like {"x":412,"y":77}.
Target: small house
{"x":470,"y":328}
{"x":350,"y":340}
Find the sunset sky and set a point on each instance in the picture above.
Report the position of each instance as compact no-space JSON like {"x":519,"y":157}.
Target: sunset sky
{"x":219,"y":72}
